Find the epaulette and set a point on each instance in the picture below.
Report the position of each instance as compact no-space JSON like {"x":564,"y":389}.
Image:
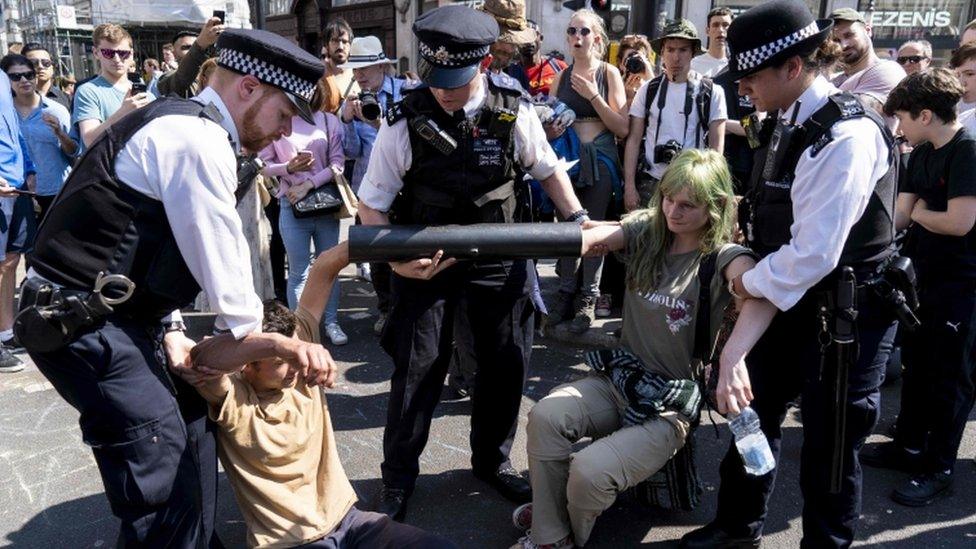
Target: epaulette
{"x":395,"y":113}
{"x":507,"y":84}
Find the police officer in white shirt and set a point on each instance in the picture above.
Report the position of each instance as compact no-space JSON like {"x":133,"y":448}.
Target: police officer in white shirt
{"x":446,"y":155}
{"x":147,"y":220}
{"x":677,"y":109}
{"x":820,"y":199}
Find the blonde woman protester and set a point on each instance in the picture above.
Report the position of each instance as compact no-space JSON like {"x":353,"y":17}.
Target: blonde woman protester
{"x":690,"y":217}
{"x":594,"y":90}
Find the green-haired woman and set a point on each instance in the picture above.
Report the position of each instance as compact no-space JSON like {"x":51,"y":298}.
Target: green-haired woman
{"x":690,"y":218}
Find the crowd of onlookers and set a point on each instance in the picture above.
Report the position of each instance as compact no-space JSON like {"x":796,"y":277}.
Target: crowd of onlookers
{"x":622,"y":115}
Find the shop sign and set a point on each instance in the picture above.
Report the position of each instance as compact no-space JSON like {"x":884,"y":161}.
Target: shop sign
{"x":931,"y":18}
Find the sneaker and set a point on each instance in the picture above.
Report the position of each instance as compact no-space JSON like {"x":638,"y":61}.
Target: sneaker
{"x":889,"y":455}
{"x":585,"y":311}
{"x":604,"y":304}
{"x":562,"y":309}
{"x":525,"y":542}
{"x":335,"y":333}
{"x":522,"y":517}
{"x":380,"y":323}
{"x":923,"y":489}
{"x":12,"y":343}
{"x":9,"y":363}
{"x":363,"y":272}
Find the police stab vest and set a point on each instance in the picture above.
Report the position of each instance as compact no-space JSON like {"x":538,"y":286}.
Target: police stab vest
{"x":766,"y":212}
{"x":99,"y":224}
{"x":475,"y":183}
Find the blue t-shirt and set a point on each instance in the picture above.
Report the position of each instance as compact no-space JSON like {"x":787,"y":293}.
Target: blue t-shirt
{"x":96,"y":99}
{"x":52,"y":165}
{"x":12,"y":161}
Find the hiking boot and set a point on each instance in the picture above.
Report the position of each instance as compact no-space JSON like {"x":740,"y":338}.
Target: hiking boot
{"x":604,"y":306}
{"x":923,"y":489}
{"x":9,"y":363}
{"x":585,"y":314}
{"x":562,"y":310}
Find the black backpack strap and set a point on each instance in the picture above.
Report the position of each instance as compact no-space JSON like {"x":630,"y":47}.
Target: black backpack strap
{"x":704,"y":103}
{"x":703,"y":314}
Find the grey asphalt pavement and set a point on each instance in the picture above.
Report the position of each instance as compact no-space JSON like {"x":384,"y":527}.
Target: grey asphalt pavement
{"x":51,"y":496}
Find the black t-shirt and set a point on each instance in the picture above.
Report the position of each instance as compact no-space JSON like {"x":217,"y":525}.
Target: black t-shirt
{"x":737,"y":151}
{"x":937,"y":176}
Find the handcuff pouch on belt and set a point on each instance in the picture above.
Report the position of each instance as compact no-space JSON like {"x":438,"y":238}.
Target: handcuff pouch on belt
{"x":894,"y":282}
{"x":50,"y":316}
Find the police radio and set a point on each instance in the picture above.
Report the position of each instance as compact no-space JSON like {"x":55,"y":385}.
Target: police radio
{"x":785,"y":136}
{"x":430,"y":132}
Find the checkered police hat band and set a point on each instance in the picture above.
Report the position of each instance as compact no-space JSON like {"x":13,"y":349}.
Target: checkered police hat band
{"x":266,"y":72}
{"x":757,"y":56}
{"x":442,"y":58}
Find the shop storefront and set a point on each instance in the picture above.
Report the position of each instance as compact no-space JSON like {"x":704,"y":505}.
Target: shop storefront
{"x":895,"y":22}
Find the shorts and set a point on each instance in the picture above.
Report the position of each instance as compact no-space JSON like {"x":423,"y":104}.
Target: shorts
{"x":22,"y":227}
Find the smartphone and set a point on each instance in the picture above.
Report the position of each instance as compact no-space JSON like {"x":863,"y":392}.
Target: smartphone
{"x":138,"y":86}
{"x":219,"y":14}
{"x":25,"y":192}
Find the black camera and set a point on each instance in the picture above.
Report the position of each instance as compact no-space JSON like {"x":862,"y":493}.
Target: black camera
{"x":635,"y":64}
{"x":664,"y":154}
{"x":370,"y":105}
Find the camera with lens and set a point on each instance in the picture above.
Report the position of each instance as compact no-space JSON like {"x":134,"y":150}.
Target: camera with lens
{"x":664,"y":154}
{"x":369,"y":105}
{"x":635,"y":64}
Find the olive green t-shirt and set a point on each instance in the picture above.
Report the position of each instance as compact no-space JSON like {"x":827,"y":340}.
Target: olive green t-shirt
{"x":659,"y":326}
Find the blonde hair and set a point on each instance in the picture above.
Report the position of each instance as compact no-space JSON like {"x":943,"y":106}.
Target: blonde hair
{"x":598,"y":28}
{"x":705,"y":174}
{"x":110,"y":32}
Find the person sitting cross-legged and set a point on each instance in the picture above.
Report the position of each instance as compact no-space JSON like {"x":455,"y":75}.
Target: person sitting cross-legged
{"x":278,"y":447}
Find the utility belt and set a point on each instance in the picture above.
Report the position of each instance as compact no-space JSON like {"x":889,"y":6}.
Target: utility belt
{"x":50,"y":316}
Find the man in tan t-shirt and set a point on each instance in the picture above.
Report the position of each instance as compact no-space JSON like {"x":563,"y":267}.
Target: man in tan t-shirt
{"x":278,"y":448}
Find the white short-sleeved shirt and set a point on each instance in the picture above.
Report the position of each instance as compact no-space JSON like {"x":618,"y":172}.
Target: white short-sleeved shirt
{"x":391,"y":157}
{"x":706,"y":65}
{"x":673,"y":123}
{"x":968,"y":120}
{"x":189,"y":164}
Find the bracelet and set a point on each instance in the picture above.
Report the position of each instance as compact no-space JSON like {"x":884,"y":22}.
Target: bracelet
{"x":174,"y":326}
{"x":580,"y":213}
{"x":594,"y":97}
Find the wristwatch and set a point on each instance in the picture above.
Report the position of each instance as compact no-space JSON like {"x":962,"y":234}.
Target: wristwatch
{"x":579,"y":216}
{"x":174,"y":326}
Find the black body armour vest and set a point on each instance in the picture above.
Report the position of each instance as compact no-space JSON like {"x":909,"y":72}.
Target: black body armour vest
{"x":99,"y":224}
{"x":473,"y":184}
{"x":766,"y":212}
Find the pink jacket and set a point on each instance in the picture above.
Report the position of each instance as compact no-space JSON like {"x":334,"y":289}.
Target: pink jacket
{"x":324,"y":140}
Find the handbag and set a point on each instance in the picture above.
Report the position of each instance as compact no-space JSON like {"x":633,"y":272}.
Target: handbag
{"x":350,"y":204}
{"x":321,"y":201}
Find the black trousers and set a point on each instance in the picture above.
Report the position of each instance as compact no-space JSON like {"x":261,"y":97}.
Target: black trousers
{"x":418,"y":336}
{"x":380,"y":274}
{"x":785,"y":363}
{"x":937,"y":388}
{"x":376,"y":531}
{"x":153,"y":445}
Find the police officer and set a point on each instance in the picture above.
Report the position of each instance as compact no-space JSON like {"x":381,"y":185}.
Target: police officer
{"x":820,"y":199}
{"x":449,"y":151}
{"x":146,"y":220}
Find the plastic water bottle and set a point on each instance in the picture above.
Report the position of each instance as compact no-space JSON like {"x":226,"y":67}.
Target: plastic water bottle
{"x":752,"y":443}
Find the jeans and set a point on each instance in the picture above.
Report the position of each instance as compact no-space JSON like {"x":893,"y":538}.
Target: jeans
{"x":298,"y":235}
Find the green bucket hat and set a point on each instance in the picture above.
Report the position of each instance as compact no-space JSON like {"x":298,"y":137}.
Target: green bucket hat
{"x":679,"y":28}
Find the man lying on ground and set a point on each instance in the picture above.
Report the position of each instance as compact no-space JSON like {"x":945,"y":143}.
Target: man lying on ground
{"x":278,"y":447}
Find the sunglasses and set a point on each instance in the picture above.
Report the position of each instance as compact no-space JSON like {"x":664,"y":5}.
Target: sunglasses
{"x":15,"y":76}
{"x":109,"y":53}
{"x":583,"y":31}
{"x":911,"y":59}
{"x":42,"y":63}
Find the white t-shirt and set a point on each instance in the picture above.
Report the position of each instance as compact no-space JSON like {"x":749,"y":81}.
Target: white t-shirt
{"x":706,"y":65}
{"x":962,"y":107}
{"x":673,"y":123}
{"x":968,"y":120}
